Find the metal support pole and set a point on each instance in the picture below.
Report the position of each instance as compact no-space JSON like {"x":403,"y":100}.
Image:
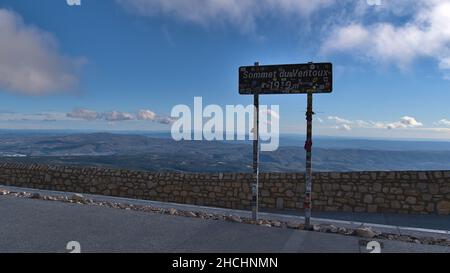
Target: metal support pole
{"x":308,"y":148}
{"x":255,"y":186}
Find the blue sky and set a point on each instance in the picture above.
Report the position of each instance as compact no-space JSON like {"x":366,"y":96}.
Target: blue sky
{"x":105,"y":63}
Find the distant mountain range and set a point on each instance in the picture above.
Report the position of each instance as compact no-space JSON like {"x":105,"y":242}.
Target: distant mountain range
{"x":158,"y":152}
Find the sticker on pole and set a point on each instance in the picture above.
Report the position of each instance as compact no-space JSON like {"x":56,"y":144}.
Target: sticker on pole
{"x":286,"y":79}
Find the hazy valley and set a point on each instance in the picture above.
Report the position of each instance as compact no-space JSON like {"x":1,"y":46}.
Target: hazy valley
{"x":160,"y":153}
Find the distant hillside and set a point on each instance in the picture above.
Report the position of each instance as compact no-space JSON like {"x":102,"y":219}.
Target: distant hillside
{"x":163,"y":154}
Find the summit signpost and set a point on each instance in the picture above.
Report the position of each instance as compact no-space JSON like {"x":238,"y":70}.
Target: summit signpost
{"x":307,"y":79}
{"x":286,"y":79}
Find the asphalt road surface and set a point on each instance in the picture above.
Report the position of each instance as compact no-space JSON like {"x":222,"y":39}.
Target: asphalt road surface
{"x":30,"y":225}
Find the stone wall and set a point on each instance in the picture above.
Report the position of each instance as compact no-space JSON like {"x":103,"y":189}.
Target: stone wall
{"x":426,"y":192}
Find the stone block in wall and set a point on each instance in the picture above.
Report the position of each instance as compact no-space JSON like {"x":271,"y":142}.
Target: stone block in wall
{"x":331,"y":209}
{"x":445,"y":189}
{"x":347,"y":208}
{"x":376,"y":187}
{"x":433,"y":188}
{"x":412,"y":193}
{"x":368,"y":198}
{"x":372,"y":208}
{"x":418,"y":208}
{"x":443,"y":207}
{"x":334,"y":175}
{"x":430,"y":207}
{"x":396,"y":191}
{"x":423,"y":176}
{"x":346,"y":176}
{"x":349,"y":194}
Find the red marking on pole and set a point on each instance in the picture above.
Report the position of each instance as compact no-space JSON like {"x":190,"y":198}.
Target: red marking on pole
{"x":308,"y":145}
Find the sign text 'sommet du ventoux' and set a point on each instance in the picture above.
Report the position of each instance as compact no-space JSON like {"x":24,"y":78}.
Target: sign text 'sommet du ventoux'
{"x":286,"y":79}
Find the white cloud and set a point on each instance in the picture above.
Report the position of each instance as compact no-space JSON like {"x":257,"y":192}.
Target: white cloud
{"x":405,"y":122}
{"x":165,"y":120}
{"x":363,"y":123}
{"x":347,"y":38}
{"x":344,"y":127}
{"x":444,"y":64}
{"x":113,"y":116}
{"x":341,"y":123}
{"x":87,"y":114}
{"x":29,"y":59}
{"x":152,"y":116}
{"x":242,"y":14}
{"x":118,"y":116}
{"x":410,"y":122}
{"x":444,"y":122}
{"x":396,"y":32}
{"x":41,"y":116}
{"x":81,"y":113}
{"x":425,"y":34}
{"x":345,"y":124}
{"x":147,"y":115}
{"x":377,"y":125}
{"x":339,"y":120}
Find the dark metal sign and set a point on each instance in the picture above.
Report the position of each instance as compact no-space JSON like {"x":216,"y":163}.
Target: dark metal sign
{"x":286,"y":79}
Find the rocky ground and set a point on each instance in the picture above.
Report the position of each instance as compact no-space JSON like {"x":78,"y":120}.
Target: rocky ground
{"x":362,"y":231}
